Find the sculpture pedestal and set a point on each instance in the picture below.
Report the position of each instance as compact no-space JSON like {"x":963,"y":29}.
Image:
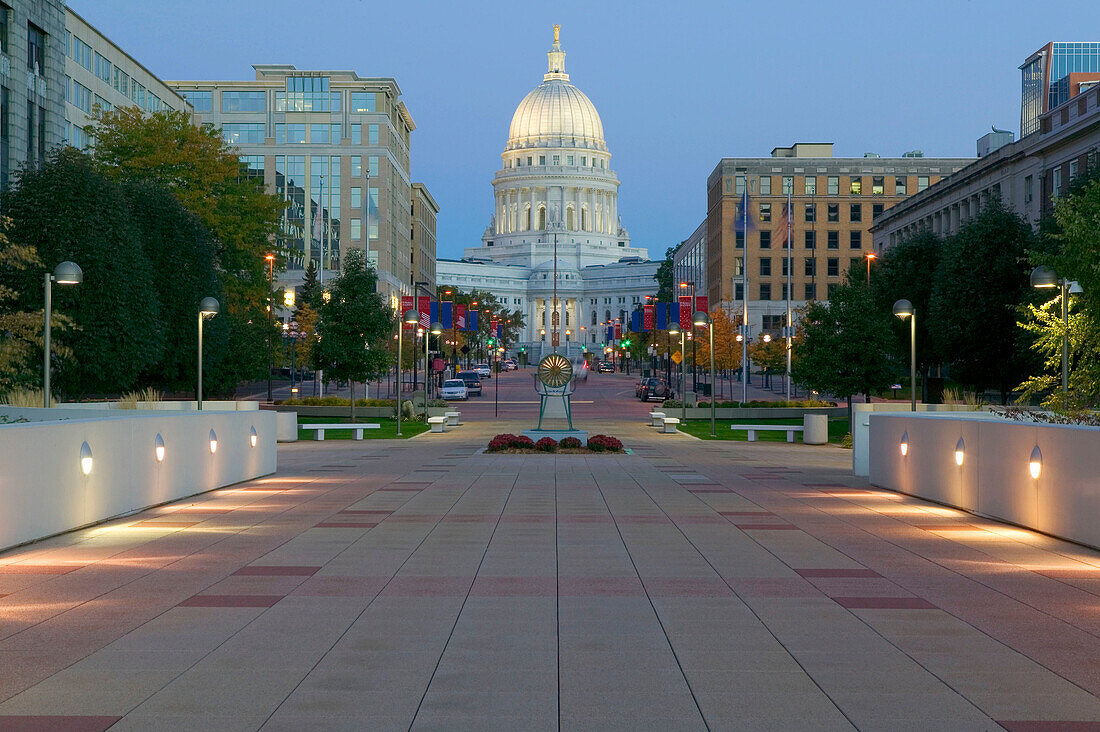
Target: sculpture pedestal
{"x":558,"y":435}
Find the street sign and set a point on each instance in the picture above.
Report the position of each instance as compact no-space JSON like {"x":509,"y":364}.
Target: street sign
{"x":677,"y":357}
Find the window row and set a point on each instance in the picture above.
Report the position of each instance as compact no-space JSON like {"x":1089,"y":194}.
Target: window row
{"x":809,"y":239}
{"x":810,"y":291}
{"x":320,"y":133}
{"x":762,"y":185}
{"x":810,"y":211}
{"x":571,"y":160}
{"x":809,"y":266}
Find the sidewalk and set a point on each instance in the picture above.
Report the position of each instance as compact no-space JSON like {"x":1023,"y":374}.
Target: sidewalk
{"x":689,"y":585}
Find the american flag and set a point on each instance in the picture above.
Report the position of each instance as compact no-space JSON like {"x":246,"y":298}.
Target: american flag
{"x":785,"y":223}
{"x":317,"y":225}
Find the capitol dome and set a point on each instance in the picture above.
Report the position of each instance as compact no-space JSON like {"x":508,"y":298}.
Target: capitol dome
{"x":556,"y":113}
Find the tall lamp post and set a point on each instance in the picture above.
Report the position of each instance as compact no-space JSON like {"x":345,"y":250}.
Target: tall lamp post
{"x":436,"y":330}
{"x":904,"y":309}
{"x":674,"y":330}
{"x":1043,"y":277}
{"x":700,"y":319}
{"x":208,"y":308}
{"x":411,"y":317}
{"x":270,"y":259}
{"x":870,"y":256}
{"x":66,"y":273}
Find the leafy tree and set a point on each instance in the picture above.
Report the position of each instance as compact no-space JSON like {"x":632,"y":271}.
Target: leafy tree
{"x":68,"y":210}
{"x":727,"y":349}
{"x":981,"y":281}
{"x":354,"y":325}
{"x":666,"y":287}
{"x":306,"y":317}
{"x":846,"y":344}
{"x":771,"y":353}
{"x":312,"y":293}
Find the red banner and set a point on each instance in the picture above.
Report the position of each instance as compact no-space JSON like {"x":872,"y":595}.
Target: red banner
{"x":702,"y":304}
{"x":460,"y":317}
{"x":647,"y":317}
{"x":685,"y":312}
{"x":407,"y":303}
{"x":424,"y":306}
{"x":618,"y":331}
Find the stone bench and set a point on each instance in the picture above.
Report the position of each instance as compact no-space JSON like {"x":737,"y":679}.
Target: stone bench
{"x":670,"y":425}
{"x":452,"y":418}
{"x":319,"y":429}
{"x":438,"y":424}
{"x":752,"y":429}
{"x":655,"y":419}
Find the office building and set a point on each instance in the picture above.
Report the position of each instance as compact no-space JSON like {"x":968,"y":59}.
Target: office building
{"x":833,"y":204}
{"x":422,"y":257}
{"x":689,"y":262}
{"x":1053,"y":75}
{"x":336,"y":147}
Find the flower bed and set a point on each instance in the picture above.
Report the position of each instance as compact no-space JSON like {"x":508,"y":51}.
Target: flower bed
{"x":521,"y":444}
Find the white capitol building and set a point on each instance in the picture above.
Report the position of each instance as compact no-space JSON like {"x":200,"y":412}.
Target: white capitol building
{"x":556,"y":183}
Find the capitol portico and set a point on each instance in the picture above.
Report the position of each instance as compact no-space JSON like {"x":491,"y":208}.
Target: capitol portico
{"x":556,"y":190}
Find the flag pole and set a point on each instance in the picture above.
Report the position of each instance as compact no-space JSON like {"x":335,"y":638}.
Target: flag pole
{"x":745,"y":294}
{"x":790,"y":246}
{"x":320,"y":376}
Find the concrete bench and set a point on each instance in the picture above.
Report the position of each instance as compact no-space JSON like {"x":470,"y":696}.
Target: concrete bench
{"x":655,"y":419}
{"x":752,"y":429}
{"x":438,"y":424}
{"x":319,"y":429}
{"x":452,"y":418}
{"x":670,"y":425}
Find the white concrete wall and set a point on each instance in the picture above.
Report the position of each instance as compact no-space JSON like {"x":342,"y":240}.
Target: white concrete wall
{"x":44,"y":492}
{"x":994,"y":479}
{"x":861,"y":411}
{"x":208,"y":405}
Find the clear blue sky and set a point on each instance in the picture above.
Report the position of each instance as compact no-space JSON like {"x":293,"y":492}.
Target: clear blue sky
{"x":678,"y":85}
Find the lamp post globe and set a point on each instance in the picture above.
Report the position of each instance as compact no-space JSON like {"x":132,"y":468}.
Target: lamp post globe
{"x":903,"y":308}
{"x":699,"y":319}
{"x":68,"y":273}
{"x":1043,"y":277}
{"x":209,"y":306}
{"x":411,"y":317}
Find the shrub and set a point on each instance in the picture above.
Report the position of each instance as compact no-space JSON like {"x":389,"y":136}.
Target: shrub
{"x":846,"y":441}
{"x":523,"y":442}
{"x":547,"y":444}
{"x":334,"y":401}
{"x":604,"y":443}
{"x":569,"y":443}
{"x":500,"y":442}
{"x":408,"y":410}
{"x":25,"y":398}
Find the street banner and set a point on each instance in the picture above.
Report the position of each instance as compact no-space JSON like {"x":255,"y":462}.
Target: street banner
{"x":647,"y":317}
{"x":407,"y":303}
{"x":702,"y":303}
{"x":685,"y":312}
{"x":660,"y":316}
{"x":636,"y":322}
{"x":500,"y":329}
{"x":472,"y":320}
{"x":618,"y":331}
{"x":609,"y":335}
{"x":441,"y":313}
{"x":424,"y":307}
{"x":460,"y":317}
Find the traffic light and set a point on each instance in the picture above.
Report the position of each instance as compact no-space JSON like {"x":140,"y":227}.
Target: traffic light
{"x":626,"y":343}
{"x":523,"y":349}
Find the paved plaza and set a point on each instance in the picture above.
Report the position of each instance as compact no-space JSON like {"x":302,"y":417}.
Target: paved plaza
{"x":424,"y":584}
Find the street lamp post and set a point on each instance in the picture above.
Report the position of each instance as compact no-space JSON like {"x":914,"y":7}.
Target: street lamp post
{"x":208,"y":308}
{"x":674,"y":330}
{"x":904,"y":309}
{"x":870,"y":256}
{"x":436,"y":329}
{"x":411,"y":317}
{"x":700,"y":319}
{"x":66,"y":273}
{"x":270,"y":259}
{"x":1043,"y":277}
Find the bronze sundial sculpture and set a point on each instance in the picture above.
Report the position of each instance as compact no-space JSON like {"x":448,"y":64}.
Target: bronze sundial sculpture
{"x":554,"y":380}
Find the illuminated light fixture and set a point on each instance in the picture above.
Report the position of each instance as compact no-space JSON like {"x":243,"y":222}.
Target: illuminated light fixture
{"x":904,"y":446}
{"x":1035,"y":464}
{"x":158,"y":448}
{"x":960,"y":452}
{"x":252,"y":436}
{"x":85,"y":458}
{"x":213,"y":442}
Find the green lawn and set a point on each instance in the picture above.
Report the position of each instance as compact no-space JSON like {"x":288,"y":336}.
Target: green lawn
{"x":387,"y":431}
{"x":701,"y":428}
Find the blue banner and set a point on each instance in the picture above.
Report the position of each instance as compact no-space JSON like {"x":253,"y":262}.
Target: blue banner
{"x":444,"y":317}
{"x":636,"y":322}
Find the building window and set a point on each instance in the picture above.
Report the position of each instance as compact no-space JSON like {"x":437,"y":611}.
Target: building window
{"x":834,"y":212}
{"x":1027,"y":189}
{"x":811,"y":185}
{"x":765,"y":291}
{"x":784,"y":269}
{"x":809,"y":267}
{"x":356,"y":166}
{"x":765,"y":240}
{"x":1072,"y":170}
{"x":811,"y":213}
{"x":248,"y":133}
{"x":876,"y":210}
{"x":356,"y":229}
{"x":878,"y":185}
{"x":82,"y":53}
{"x":810,"y":239}
{"x":303,"y":94}
{"x":739,"y":185}
{"x":855,"y":187}
{"x":922,"y":182}
{"x":36,"y":50}
{"x":788,"y":185}
{"x":833,"y":240}
{"x":739,"y":239}
{"x":372,"y":166}
{"x":290,"y":134}
{"x":765,"y":212}
{"x":103,"y":68}
{"x":569,"y":160}
{"x":335,"y":133}
{"x":739,"y":291}
{"x":1056,"y":186}
{"x":832,"y":267}
{"x":855,"y":240}
{"x":831,"y":289}
{"x":362,"y":102}
{"x":765,"y":266}
{"x":833,"y":184}
{"x":810,"y":292}
{"x":243,"y":101}
{"x":765,"y":185}
{"x":855,"y":213}
{"x":356,"y":197}
{"x":372,"y":135}
{"x":202,"y":101}
{"x":82,"y":97}
{"x":319,"y":133}
{"x":899,"y":185}
{"x":4,"y":18}
{"x":356,"y":133}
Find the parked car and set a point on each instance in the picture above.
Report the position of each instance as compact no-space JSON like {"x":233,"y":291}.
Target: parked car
{"x":454,"y":389}
{"x":472,"y":381}
{"x":654,"y":388}
{"x":483,"y":370}
{"x":509,"y":365}
{"x":605,"y":367}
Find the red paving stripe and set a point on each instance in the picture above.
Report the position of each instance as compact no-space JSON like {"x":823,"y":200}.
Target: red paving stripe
{"x":231,"y":601}
{"x":838,"y":573}
{"x":277,"y":571}
{"x":199,"y":509}
{"x":520,"y":518}
{"x":710,"y":490}
{"x":345,"y":525}
{"x":600,"y":587}
{"x":39,"y":568}
{"x":642,"y":519}
{"x":884,"y":603}
{"x":392,"y":489}
{"x":766,"y":527}
{"x":515,"y":587}
{"x":470,"y":518}
{"x":427,"y":587}
{"x":154,"y":524}
{"x":27,"y":723}
{"x":340,"y":586}
{"x":366,"y":512}
{"x":687,"y":587}
{"x":745,"y":513}
{"x":825,"y":485}
{"x":1053,"y":726}
{"x":705,"y":519}
{"x":773,"y":587}
{"x":584,"y":519}
{"x":950,"y":527}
